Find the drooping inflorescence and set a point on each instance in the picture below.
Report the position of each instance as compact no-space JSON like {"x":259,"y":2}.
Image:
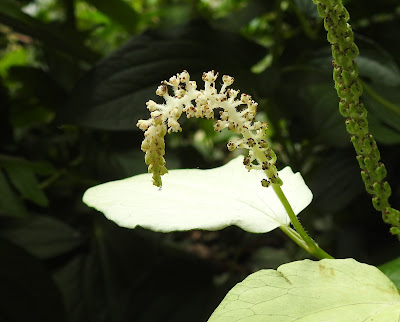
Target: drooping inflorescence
{"x":236,"y":113}
{"x":349,"y":90}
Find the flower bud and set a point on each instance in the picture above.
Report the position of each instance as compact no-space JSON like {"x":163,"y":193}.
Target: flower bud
{"x":228,"y":80}
{"x":184,"y":77}
{"x":162,"y":90}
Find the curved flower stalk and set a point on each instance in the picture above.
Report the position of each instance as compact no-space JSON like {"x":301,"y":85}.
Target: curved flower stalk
{"x":349,"y":90}
{"x":208,"y":199}
{"x":237,"y":114}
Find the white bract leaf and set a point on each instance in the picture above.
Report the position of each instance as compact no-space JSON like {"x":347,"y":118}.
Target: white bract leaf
{"x":200,"y":199}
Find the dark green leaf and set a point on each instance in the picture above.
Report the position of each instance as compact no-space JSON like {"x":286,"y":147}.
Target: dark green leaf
{"x":40,"y":167}
{"x":240,"y":16}
{"x":37,"y":96}
{"x":70,"y":279}
{"x":41,"y":236}
{"x":114,"y":165}
{"x":336,"y":182}
{"x":38,"y":83}
{"x":10,"y":204}
{"x":27,"y":291}
{"x":24,"y":179}
{"x":383,"y":102}
{"x":270,"y":257}
{"x":114,"y":93}
{"x":323,"y":113}
{"x":381,"y":131}
{"x":129,"y":274}
{"x":307,"y":7}
{"x":6,"y":132}
{"x":119,"y":11}
{"x":376,"y":64}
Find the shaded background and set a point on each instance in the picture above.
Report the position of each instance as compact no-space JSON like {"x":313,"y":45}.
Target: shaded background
{"x":74,"y":79}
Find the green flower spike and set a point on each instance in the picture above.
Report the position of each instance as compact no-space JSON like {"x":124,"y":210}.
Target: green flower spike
{"x":236,"y":114}
{"x":349,"y":90}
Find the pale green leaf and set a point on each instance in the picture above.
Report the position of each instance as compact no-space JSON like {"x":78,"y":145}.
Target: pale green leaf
{"x":200,"y":199}
{"x":328,"y":290}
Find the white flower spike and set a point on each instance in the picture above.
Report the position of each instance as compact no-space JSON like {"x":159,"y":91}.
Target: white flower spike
{"x":200,"y":199}
{"x":237,"y":114}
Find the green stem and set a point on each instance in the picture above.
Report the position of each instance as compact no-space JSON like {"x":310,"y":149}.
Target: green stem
{"x":390,"y":106}
{"x":300,"y":236}
{"x":294,"y":235}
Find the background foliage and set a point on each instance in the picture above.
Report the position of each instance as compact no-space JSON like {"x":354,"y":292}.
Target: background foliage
{"x":74,"y":79}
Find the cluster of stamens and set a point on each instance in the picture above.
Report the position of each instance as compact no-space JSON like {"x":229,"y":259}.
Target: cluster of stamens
{"x":237,"y":114}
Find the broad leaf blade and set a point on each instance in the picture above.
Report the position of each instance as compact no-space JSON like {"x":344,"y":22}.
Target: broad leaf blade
{"x":377,"y":64}
{"x":42,"y":236}
{"x":129,"y":275}
{"x":343,"y":187}
{"x":22,"y":175}
{"x":312,"y":291}
{"x":384,"y":103}
{"x":113,"y":94}
{"x":200,"y":199}
{"x":323,"y":113}
{"x":25,"y":181}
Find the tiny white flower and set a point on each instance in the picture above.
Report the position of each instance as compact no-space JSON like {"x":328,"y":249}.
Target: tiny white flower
{"x":200,"y":199}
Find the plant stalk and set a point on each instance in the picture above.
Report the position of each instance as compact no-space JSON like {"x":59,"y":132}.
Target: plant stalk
{"x":300,"y":236}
